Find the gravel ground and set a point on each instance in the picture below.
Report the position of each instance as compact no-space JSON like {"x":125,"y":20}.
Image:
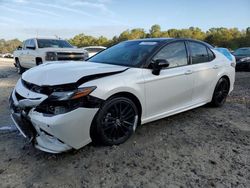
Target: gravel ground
{"x":204,"y":147}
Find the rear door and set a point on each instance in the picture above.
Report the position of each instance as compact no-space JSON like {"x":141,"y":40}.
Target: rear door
{"x":205,"y":69}
{"x":171,"y":90}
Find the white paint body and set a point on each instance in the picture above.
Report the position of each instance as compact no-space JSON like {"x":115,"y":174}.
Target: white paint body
{"x":173,"y":91}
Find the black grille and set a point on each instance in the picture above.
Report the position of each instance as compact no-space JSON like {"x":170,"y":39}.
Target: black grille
{"x":70,"y":56}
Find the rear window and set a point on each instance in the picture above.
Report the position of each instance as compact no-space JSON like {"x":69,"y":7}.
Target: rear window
{"x":225,"y":52}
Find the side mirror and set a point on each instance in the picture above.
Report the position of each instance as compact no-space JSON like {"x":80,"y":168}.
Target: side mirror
{"x":158,"y":65}
{"x":31,"y":47}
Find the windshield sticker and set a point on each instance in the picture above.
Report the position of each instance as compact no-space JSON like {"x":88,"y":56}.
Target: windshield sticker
{"x":147,"y":43}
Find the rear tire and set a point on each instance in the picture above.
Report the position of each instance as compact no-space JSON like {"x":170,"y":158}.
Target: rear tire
{"x":220,"y":92}
{"x":115,"y":122}
{"x":19,"y":68}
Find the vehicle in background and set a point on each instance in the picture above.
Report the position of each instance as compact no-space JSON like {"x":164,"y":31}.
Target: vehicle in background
{"x":92,"y":50}
{"x":66,"y":106}
{"x":227,"y":54}
{"x":242,"y":56}
{"x":36,"y":51}
{"x":7,"y":55}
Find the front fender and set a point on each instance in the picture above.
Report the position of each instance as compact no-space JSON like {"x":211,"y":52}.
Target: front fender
{"x":130,"y":81}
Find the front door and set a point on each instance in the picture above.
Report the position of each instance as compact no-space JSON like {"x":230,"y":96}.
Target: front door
{"x":23,"y":54}
{"x":172,"y":90}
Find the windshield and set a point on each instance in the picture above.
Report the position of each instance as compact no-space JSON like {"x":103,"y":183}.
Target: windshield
{"x":130,"y":53}
{"x":53,"y":43}
{"x":242,"y":51}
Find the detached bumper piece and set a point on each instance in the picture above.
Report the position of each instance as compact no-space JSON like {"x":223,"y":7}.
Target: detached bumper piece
{"x":53,"y":126}
{"x":24,"y":126}
{"x":50,"y":144}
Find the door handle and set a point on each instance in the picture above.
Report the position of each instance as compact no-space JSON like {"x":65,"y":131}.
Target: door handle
{"x":215,"y":66}
{"x":188,"y":72}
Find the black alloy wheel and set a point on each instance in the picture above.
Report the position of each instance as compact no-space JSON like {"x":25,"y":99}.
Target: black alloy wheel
{"x":115,"y":122}
{"x":220,"y":92}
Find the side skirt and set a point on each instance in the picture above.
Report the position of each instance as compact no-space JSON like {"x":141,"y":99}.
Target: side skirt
{"x":172,"y":112}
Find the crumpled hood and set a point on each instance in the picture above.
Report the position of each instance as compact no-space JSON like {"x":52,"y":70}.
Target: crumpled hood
{"x":57,"y":73}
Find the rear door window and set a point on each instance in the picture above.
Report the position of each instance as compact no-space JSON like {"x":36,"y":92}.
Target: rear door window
{"x":199,"y":53}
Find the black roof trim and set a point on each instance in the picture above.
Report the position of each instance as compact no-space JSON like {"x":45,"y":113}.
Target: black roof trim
{"x":171,"y":40}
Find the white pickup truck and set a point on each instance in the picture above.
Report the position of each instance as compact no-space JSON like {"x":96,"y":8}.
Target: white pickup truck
{"x":36,"y":51}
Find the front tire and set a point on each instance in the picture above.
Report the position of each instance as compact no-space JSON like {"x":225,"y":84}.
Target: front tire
{"x":220,"y":92}
{"x":115,"y":122}
{"x":39,"y":62}
{"x":19,"y":68}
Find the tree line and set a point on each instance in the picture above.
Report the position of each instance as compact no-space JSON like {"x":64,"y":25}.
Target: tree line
{"x":8,"y":46}
{"x":231,"y":38}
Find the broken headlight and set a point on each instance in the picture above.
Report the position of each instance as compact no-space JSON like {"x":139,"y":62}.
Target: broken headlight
{"x":69,"y":95}
{"x":60,"y":102}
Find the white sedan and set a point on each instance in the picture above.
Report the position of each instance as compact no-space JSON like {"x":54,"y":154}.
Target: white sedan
{"x":66,"y":106}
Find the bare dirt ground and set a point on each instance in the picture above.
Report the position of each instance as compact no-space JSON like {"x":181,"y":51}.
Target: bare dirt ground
{"x":204,"y":147}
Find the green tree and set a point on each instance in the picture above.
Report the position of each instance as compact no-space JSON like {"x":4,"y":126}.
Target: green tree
{"x":9,"y":46}
{"x":155,"y":31}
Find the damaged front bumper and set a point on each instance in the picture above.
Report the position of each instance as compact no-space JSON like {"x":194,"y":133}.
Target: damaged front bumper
{"x":48,"y":132}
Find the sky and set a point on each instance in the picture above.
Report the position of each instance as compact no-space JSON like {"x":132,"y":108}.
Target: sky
{"x":65,"y":18}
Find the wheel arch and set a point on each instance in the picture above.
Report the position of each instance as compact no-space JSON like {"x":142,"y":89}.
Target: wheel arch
{"x":132,"y":97}
{"x":38,"y":59}
{"x":227,"y":78}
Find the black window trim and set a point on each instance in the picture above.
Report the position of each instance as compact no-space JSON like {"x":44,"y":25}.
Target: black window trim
{"x":208,"y":49}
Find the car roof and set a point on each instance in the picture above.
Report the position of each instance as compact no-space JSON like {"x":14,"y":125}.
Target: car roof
{"x":47,"y":38}
{"x":163,"y":40}
{"x":153,"y":39}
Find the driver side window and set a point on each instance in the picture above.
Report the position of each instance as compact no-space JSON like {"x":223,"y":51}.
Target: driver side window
{"x":25,"y":43}
{"x":32,"y":43}
{"x":175,"y":53}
